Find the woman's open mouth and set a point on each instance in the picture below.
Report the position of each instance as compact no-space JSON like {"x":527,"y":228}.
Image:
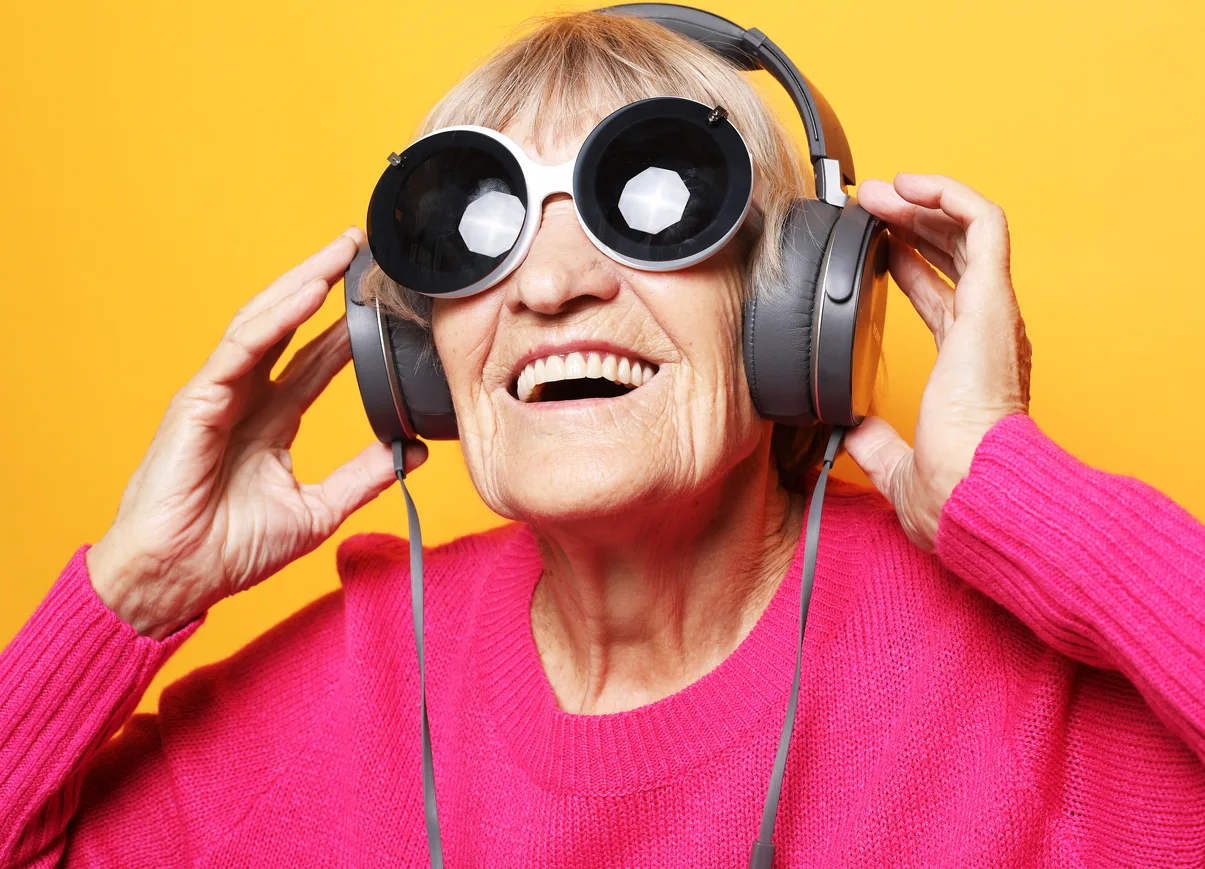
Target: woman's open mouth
{"x":573,"y":376}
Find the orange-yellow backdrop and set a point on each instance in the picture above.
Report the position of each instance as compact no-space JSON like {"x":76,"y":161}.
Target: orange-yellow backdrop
{"x":161,"y":162}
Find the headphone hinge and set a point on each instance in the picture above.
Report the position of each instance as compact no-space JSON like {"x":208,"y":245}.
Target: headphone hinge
{"x":753,"y":39}
{"x":829,"y":184}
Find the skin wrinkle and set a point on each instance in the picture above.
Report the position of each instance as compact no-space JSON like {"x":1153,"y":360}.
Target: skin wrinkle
{"x":692,"y":641}
{"x":663,"y":527}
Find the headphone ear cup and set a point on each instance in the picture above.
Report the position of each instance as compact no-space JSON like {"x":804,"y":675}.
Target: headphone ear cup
{"x":851,"y":305}
{"x":777,"y":333}
{"x":405,"y":395}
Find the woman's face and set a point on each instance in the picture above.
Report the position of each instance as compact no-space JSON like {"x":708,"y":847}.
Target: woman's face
{"x":547,"y":460}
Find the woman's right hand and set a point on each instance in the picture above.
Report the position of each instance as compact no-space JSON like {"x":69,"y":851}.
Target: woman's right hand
{"x":214,"y":507}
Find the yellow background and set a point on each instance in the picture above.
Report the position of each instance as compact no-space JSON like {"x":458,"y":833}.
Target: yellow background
{"x":160,"y":163}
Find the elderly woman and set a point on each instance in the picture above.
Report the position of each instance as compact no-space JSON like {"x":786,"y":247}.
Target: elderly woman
{"x":1005,"y":652}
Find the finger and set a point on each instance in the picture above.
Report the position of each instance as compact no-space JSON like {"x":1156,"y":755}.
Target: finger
{"x":274,"y":353}
{"x":354,"y":484}
{"x":880,"y":452}
{"x":314,"y":365}
{"x":245,"y":344}
{"x":930,"y":295}
{"x":307,"y":374}
{"x":945,"y":263}
{"x":328,"y":263}
{"x":949,"y":266}
{"x":983,"y":221}
{"x":931,"y":232}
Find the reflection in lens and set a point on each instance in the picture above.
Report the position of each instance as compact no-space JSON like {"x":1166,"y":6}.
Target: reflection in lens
{"x":491,"y":223}
{"x":457,"y":213}
{"x":661,"y":188}
{"x":653,"y":200}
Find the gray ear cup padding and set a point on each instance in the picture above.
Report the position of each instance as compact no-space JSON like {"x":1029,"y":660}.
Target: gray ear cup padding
{"x":424,"y":384}
{"x":851,"y":306}
{"x":406,"y":396}
{"x":777,"y":333}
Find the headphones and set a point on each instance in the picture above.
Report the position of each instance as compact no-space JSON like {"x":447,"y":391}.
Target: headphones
{"x":811,"y":347}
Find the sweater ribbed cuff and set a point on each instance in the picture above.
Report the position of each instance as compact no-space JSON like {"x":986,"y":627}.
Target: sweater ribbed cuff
{"x":68,"y":680}
{"x":1101,"y":566}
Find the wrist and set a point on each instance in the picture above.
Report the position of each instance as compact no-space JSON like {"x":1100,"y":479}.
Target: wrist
{"x":937,"y":485}
{"x":125,"y":584}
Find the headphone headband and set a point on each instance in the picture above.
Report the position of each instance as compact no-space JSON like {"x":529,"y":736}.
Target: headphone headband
{"x":828,"y":148}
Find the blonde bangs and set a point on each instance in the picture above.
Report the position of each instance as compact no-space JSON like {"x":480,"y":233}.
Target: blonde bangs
{"x":569,"y":71}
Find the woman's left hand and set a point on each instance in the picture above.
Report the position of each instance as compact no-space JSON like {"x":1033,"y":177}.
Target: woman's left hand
{"x":983,"y":355}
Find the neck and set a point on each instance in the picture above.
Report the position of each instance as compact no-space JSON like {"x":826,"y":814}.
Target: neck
{"x":626,"y":618}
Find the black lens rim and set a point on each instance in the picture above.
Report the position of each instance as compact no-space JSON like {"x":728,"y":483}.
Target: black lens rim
{"x":387,"y":248}
{"x":732,"y":146}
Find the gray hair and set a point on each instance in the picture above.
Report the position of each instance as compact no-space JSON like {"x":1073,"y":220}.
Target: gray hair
{"x":568,"y":73}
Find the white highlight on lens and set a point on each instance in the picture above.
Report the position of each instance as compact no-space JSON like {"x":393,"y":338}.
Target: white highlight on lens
{"x":653,"y":200}
{"x":491,"y":223}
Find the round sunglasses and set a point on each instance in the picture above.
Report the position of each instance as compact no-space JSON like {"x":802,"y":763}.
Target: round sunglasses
{"x":659,"y":184}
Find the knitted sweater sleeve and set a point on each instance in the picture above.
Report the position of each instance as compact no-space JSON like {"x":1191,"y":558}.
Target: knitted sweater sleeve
{"x":69,"y":680}
{"x":1101,"y":566}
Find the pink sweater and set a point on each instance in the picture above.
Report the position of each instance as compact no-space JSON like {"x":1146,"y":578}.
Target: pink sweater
{"x":1032,"y":695}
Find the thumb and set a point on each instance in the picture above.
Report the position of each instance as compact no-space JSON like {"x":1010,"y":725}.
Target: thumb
{"x":881,"y":453}
{"x":359,"y":480}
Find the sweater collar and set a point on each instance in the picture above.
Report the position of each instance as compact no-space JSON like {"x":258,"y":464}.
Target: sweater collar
{"x":654,"y":744}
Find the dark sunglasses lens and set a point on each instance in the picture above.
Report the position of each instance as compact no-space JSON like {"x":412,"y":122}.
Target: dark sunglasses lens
{"x":658,"y":183}
{"x":449,"y":212}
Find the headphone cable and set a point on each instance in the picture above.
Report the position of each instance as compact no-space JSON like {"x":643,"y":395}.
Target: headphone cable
{"x":762,"y":854}
{"x":434,"y":844}
{"x":763,"y":847}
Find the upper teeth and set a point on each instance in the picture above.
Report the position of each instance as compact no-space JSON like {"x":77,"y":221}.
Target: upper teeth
{"x":618,"y":369}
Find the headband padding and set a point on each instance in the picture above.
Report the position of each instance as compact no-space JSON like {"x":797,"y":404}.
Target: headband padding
{"x":777,"y":334}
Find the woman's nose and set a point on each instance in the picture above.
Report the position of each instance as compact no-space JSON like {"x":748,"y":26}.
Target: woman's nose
{"x":561,"y":266}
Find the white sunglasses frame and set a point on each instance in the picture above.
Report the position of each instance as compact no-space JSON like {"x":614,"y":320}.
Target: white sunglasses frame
{"x":542,"y":181}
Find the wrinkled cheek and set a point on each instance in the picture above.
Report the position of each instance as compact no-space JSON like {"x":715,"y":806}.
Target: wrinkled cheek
{"x":715,"y":420}
{"x":481,"y":438}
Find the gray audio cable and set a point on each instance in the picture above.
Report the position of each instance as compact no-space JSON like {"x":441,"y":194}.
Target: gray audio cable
{"x":763,"y":847}
{"x":434,"y":844}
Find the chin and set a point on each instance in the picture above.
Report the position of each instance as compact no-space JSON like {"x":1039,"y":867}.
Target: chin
{"x":561,"y":483}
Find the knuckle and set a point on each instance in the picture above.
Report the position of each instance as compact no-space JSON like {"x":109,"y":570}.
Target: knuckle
{"x":235,"y":330}
{"x":201,"y":393}
{"x":201,"y":390}
{"x":995,"y":217}
{"x":241,"y":316}
{"x":234,"y":343}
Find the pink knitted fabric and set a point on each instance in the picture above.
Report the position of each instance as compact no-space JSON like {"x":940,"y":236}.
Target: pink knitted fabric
{"x":1033,"y":695}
